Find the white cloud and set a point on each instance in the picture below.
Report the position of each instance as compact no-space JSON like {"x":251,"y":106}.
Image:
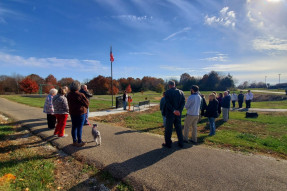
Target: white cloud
{"x":219,"y":57}
{"x":176,"y":69}
{"x":225,"y":18}
{"x":141,"y":53}
{"x":257,"y":66}
{"x":7,"y":41}
{"x":270,"y":44}
{"x":134,"y":18}
{"x":66,"y":64}
{"x":186,"y":29}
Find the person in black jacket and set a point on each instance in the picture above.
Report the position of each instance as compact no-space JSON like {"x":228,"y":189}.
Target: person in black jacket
{"x":212,"y":113}
{"x":203,"y":106}
{"x":240,"y":99}
{"x":175,"y":101}
{"x":84,"y":90}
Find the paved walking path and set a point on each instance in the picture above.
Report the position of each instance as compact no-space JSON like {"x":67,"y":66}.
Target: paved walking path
{"x":139,"y":158}
{"x":119,"y":110}
{"x":259,"y":110}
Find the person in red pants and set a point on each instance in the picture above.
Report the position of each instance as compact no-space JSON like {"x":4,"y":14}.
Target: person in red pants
{"x":61,"y":110}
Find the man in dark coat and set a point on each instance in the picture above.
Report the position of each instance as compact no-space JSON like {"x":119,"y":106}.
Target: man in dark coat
{"x":175,"y":102}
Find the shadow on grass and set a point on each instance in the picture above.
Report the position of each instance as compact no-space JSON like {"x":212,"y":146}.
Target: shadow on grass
{"x":14,"y":162}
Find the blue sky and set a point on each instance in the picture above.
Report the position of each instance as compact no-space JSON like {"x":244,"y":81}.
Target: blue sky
{"x":160,"y":38}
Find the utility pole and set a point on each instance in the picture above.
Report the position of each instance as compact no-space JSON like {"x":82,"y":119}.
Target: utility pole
{"x":266,"y":82}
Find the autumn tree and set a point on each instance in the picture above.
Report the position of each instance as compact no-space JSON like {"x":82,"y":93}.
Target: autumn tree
{"x":29,"y":86}
{"x":38,"y":79}
{"x":129,"y":89}
{"x":65,"y":81}
{"x":10,"y":83}
{"x":100,"y":85}
{"x":115,"y":90}
{"x":51,"y":82}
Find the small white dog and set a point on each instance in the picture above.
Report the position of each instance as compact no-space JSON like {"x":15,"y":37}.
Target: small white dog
{"x":96,"y":134}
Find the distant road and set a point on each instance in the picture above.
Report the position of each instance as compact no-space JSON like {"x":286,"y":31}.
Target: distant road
{"x":267,"y":91}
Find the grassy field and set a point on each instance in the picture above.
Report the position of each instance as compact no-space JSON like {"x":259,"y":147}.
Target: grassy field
{"x":102,"y":102}
{"x":270,"y":104}
{"x":266,"y":134}
{"x":29,"y":163}
{"x":95,"y":105}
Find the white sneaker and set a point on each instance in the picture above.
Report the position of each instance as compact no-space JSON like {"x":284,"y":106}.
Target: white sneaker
{"x":65,"y":135}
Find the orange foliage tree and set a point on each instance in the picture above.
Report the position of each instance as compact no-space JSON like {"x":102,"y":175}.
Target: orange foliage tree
{"x":129,"y":89}
{"x":51,"y":81}
{"x":28,"y":85}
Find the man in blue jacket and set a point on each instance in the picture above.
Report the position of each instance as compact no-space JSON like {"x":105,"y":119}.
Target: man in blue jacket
{"x":226,"y":106}
{"x":175,"y":102}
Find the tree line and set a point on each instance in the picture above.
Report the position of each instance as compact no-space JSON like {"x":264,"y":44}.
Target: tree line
{"x":101,"y":85}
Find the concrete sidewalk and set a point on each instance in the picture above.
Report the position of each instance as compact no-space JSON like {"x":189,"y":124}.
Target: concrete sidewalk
{"x":258,"y":110}
{"x":140,"y":159}
{"x":119,"y":110}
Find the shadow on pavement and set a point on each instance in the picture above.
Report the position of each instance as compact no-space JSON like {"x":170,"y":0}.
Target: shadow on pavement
{"x":124,"y":132}
{"x":123,"y":169}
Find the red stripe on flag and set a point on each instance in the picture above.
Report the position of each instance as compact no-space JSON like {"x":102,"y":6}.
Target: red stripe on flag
{"x":111,"y":57}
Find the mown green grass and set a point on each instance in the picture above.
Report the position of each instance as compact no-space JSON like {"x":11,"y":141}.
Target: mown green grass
{"x":32,"y":170}
{"x":270,"y":104}
{"x":95,"y":104}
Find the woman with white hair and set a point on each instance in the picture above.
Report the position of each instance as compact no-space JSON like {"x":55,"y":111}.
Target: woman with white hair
{"x":49,"y":109}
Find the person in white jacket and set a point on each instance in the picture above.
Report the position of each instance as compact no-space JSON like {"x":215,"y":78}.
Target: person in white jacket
{"x":233,"y":99}
{"x":248,"y":98}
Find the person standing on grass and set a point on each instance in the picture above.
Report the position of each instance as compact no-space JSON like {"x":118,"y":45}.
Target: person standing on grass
{"x":175,"y":101}
{"x":233,"y":99}
{"x":219,"y":99}
{"x":125,"y":99}
{"x":49,"y":109}
{"x":84,"y":90}
{"x":240,"y":99}
{"x":192,"y":116}
{"x":225,"y":106}
{"x":61,"y":111}
{"x":78,"y":105}
{"x":203,"y":106}
{"x":212,"y":113}
{"x":162,"y":109}
{"x":248,"y":99}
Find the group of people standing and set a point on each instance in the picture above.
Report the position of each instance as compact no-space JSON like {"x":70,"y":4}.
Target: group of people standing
{"x":240,"y":99}
{"x":73,"y":101}
{"x":173,"y":103}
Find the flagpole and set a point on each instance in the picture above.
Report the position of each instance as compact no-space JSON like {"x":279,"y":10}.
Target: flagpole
{"x":112,"y":81}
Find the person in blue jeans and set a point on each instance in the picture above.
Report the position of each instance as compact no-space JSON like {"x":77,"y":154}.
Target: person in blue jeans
{"x":78,"y":105}
{"x":212,"y":113}
{"x":125,"y":99}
